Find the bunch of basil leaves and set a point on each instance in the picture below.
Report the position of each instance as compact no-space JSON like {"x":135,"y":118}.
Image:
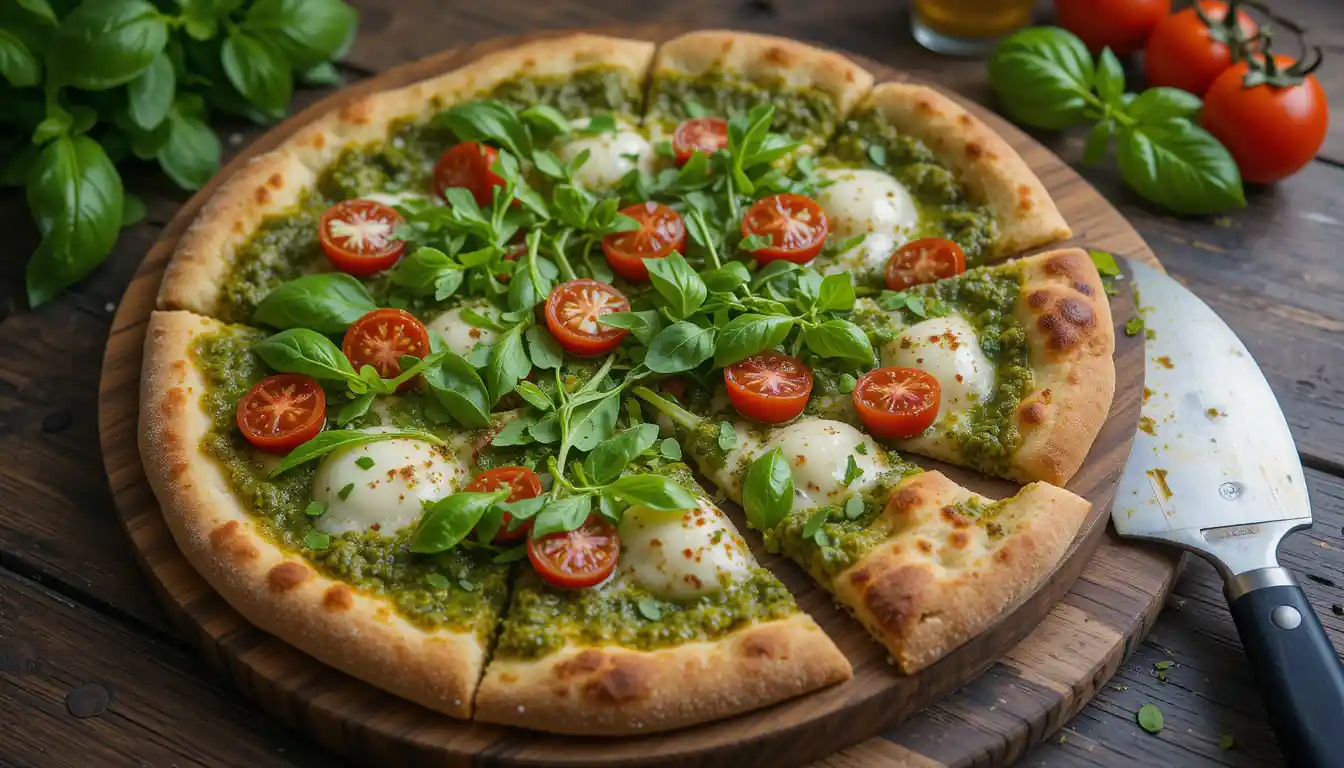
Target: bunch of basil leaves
{"x":87,"y":84}
{"x":1046,"y":78}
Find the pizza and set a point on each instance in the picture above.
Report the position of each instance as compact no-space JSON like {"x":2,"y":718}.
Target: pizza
{"x":460,"y":389}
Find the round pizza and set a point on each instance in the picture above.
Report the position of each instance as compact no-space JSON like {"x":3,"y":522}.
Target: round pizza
{"x":452,"y":388}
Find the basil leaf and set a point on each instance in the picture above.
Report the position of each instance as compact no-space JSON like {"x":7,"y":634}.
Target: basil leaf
{"x":1098,"y":141}
{"x":514,"y":433}
{"x":547,"y":429}
{"x":602,"y":123}
{"x":259,"y":71}
{"x":356,"y":408}
{"x":511,"y":555}
{"x":678,"y":284}
{"x":190,"y":152}
{"x":487,"y":120}
{"x":323,"y":75}
{"x":547,"y":118}
{"x":328,"y":302}
{"x":507,"y":365}
{"x":562,"y":515}
{"x":150,"y":95}
{"x":40,"y":7}
{"x":534,"y":395}
{"x":680,"y":347}
{"x":653,"y":491}
{"x":523,"y":509}
{"x":310,"y":31}
{"x":605,"y":462}
{"x":836,"y":293}
{"x":1110,"y":78}
{"x":300,"y":350}
{"x":336,"y":439}
{"x":852,"y":470}
{"x":1157,"y":104}
{"x":449,"y":520}
{"x":1179,"y":166}
{"x":767,"y":491}
{"x":772,"y":271}
{"x":76,"y":198}
{"x":18,"y":64}
{"x":749,"y":334}
{"x":644,"y":324}
{"x":1043,"y":77}
{"x":727,"y":278}
{"x":104,"y":44}
{"x":839,"y":338}
{"x":877,"y":154}
{"x":549,"y":164}
{"x":428,"y":272}
{"x":488,"y":526}
{"x":544,"y":350}
{"x":459,"y":389}
{"x":593,"y":422}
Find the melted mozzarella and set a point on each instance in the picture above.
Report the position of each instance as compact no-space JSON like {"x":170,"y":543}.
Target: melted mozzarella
{"x":681,"y":555}
{"x":948,"y":348}
{"x":611,"y":155}
{"x":870,"y":203}
{"x":461,"y":336}
{"x":387,"y":496}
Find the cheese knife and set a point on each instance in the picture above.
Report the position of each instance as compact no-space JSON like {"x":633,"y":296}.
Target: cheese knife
{"x":1214,"y":470}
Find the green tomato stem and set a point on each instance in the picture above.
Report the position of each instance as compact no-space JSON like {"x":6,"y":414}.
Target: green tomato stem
{"x":679,"y":416}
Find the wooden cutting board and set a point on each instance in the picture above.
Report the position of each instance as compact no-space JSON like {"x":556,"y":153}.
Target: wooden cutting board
{"x":1022,"y":678}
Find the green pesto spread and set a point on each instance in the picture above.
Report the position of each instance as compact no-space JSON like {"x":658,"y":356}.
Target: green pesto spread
{"x":282,"y":248}
{"x":800,"y":113}
{"x":595,"y":90}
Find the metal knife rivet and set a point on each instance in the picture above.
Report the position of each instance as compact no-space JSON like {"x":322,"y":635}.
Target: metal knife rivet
{"x":1230,"y":491}
{"x":1285,"y":617}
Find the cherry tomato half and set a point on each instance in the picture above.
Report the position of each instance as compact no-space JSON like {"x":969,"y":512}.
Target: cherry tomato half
{"x":572,"y":311}
{"x":661,"y":231}
{"x":357,"y":236}
{"x":1271,"y":131}
{"x":1184,"y":52}
{"x":468,"y":165}
{"x":283,"y":411}
{"x":924,"y":261}
{"x":523,"y":484}
{"x":381,"y":338}
{"x":897,"y":403}
{"x":1121,"y":25}
{"x":770,"y":387}
{"x":705,"y":134}
{"x":579,"y":558}
{"x":796,"y":226}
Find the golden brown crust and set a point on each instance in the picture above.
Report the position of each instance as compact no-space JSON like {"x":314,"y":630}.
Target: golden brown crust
{"x":349,"y":629}
{"x":991,"y":171}
{"x":616,"y":691}
{"x":942,"y":577}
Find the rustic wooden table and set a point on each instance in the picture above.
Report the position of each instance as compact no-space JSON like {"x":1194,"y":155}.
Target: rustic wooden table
{"x":91,"y":673}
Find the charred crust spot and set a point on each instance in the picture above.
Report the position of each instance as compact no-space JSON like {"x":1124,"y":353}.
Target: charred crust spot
{"x":904,"y":501}
{"x":1024,"y":198}
{"x":1067,"y":264}
{"x":959,"y":539}
{"x":1038,"y":299}
{"x":286,"y":576}
{"x":174,"y":400}
{"x":529,"y":63}
{"x":974,"y":151}
{"x":893,"y":600}
{"x":1062,"y":335}
{"x":232,"y":540}
{"x":319,"y":140}
{"x":964,"y":120}
{"x":621,"y":684}
{"x":765,"y":644}
{"x":953,"y":517}
{"x":860,"y":577}
{"x":1003,"y":555}
{"x":1033,"y":413}
{"x":779,"y":56}
{"x":179,"y":369}
{"x":507,"y":677}
{"x":1083,"y":288}
{"x":262,"y":195}
{"x":357,"y":112}
{"x":1076,"y":312}
{"x":924,"y":546}
{"x":276,"y":181}
{"x":338,"y":598}
{"x":585,"y":663}
{"x":925,"y":106}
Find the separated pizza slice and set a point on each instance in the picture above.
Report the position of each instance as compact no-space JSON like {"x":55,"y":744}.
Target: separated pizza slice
{"x":911,"y":163}
{"x":689,"y":628}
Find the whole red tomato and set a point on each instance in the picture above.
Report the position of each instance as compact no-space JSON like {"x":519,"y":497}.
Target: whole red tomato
{"x":1275,"y":126}
{"x":1187,"y":52}
{"x":1121,"y":25}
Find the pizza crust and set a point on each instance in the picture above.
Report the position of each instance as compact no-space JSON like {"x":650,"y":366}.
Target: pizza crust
{"x":991,"y":170}
{"x":351,"y":630}
{"x":941,"y":579}
{"x":614,"y":691}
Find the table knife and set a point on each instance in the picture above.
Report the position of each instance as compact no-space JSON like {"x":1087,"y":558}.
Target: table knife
{"x":1214,"y":469}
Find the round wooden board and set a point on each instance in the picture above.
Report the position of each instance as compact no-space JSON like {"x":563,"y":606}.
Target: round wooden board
{"x":1022,"y":678}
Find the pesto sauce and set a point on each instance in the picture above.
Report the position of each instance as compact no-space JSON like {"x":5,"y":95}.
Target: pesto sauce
{"x":801,"y":113}
{"x":282,"y":248}
{"x":594,"y":90}
{"x":841,"y":541}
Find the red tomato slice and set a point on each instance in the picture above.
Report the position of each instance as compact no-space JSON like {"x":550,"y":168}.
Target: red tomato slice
{"x":661,"y":231}
{"x":924,"y":261}
{"x":704,"y":134}
{"x":579,"y":558}
{"x":897,"y":403}
{"x":357,"y":236}
{"x":382,"y":337}
{"x":523,"y":484}
{"x":795,"y":225}
{"x":572,"y":310}
{"x":283,"y":411}
{"x":770,"y":387}
{"x":468,"y":165}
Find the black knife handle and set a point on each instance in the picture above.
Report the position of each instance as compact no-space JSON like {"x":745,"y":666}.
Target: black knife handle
{"x":1300,"y":676}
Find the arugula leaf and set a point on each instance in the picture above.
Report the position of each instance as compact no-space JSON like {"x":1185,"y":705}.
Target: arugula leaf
{"x":670,"y":449}
{"x":680,"y":347}
{"x":430,"y":272}
{"x":593,"y":422}
{"x":449,"y":520}
{"x":656,"y":492}
{"x":562,"y":515}
{"x":543,"y":349}
{"x":507,"y":365}
{"x":645,"y":324}
{"x":547,"y":118}
{"x":606,"y":461}
{"x":678,"y":284}
{"x":327,"y":302}
{"x":457,"y":387}
{"x":767,"y":491}
{"x":300,"y":350}
{"x":547,"y":429}
{"x":514,"y":433}
{"x":749,"y":334}
{"x":337,"y":439}
{"x":534,"y":395}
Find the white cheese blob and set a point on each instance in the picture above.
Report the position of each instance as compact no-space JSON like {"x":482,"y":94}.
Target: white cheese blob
{"x":947,"y":348}
{"x":388,"y":495}
{"x":460,"y":336}
{"x":871,"y":203}
{"x":681,"y":555}
{"x":611,"y":155}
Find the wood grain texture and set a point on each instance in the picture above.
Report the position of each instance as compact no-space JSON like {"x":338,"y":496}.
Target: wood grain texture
{"x":1092,"y":634}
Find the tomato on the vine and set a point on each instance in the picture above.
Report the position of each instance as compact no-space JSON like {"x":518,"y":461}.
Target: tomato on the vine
{"x":1189,"y":49}
{"x":661,"y":231}
{"x":357,"y":236}
{"x":579,"y":558}
{"x":283,"y":411}
{"x":522,"y":483}
{"x":770,"y":387}
{"x":1121,"y":25}
{"x":572,"y":311}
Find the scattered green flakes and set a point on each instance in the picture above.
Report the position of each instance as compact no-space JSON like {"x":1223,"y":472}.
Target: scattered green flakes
{"x":1150,"y":718}
{"x":861,"y":449}
{"x":854,"y":508}
{"x":316,"y":540}
{"x":344,"y":493}
{"x":1134,"y":326}
{"x":813,"y":525}
{"x":649,"y":609}
{"x":852,"y":471}
{"x":1162,"y":665}
{"x":727,"y":436}
{"x":1226,"y":742}
{"x":670,"y":449}
{"x":315,"y":508}
{"x":364,"y":462}
{"x":1105,"y":263}
{"x":437,"y":581}
{"x":847,"y":383}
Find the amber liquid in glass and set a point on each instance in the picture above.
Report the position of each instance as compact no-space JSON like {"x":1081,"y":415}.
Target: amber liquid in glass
{"x":961,"y":25}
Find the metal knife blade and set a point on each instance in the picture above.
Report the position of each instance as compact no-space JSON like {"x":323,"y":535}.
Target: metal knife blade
{"x":1213,"y":467}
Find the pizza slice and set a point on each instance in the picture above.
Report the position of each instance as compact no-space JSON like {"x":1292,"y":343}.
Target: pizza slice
{"x":910,"y":163}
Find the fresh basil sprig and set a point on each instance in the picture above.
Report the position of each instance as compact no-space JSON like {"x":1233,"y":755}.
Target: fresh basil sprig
{"x":328,"y":302}
{"x":448,"y":521}
{"x":767,"y":491}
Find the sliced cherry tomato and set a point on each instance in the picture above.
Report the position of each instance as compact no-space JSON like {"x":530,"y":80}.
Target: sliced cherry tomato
{"x":1121,"y":25}
{"x":795,"y":225}
{"x":704,"y":134}
{"x":1271,"y":130}
{"x":468,"y":165}
{"x":897,"y":403}
{"x":282,"y":411}
{"x":661,"y":231}
{"x":357,"y":236}
{"x":579,"y":558}
{"x":572,"y":310}
{"x":523,"y":484}
{"x":1185,"y":52}
{"x":924,"y":261}
{"x":514,"y":253}
{"x":770,"y":387}
{"x":381,"y":338}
